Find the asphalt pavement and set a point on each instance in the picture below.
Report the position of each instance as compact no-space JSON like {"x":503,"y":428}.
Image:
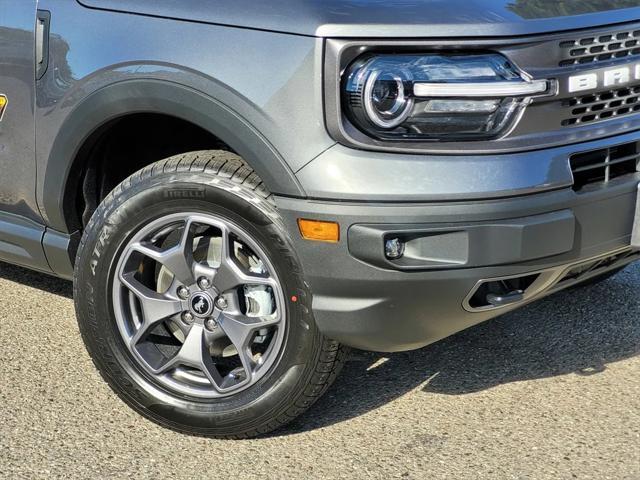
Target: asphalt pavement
{"x":549,"y":392}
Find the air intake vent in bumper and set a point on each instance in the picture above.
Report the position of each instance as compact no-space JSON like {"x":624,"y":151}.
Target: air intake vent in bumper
{"x":601,"y":166}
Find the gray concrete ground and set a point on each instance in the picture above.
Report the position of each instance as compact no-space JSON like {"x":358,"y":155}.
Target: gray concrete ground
{"x":552,"y":391}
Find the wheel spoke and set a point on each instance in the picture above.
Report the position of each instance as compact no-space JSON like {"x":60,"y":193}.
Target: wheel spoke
{"x":229,"y":275}
{"x":156,"y":307}
{"x":179,"y":259}
{"x":240,"y":329}
{"x":195,"y":353}
{"x":184,"y":328}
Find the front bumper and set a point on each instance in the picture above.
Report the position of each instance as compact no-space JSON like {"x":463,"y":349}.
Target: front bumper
{"x":364,"y":301}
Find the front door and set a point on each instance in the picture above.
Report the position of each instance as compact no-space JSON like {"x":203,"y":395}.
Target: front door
{"x":20,"y":222}
{"x":17,"y":128}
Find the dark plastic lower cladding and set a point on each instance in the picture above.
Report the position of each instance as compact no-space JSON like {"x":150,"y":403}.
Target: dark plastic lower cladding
{"x":602,"y":166}
{"x":601,"y":265}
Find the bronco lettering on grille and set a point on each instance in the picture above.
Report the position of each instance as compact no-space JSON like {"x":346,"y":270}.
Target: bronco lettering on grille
{"x":615,"y":76}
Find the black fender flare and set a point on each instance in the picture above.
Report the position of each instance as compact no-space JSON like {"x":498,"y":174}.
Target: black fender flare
{"x":163,"y":97}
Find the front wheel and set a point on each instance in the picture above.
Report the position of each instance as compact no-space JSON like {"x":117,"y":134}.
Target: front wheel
{"x":191,"y":302}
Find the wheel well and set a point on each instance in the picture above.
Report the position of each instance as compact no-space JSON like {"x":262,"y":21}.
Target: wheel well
{"x":122,"y":147}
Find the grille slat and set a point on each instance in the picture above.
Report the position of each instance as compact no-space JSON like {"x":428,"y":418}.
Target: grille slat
{"x":601,"y":48}
{"x":602,"y":166}
{"x":606,"y":163}
{"x":602,"y":105}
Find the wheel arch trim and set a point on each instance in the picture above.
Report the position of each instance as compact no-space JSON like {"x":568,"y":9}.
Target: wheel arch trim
{"x":129,"y":97}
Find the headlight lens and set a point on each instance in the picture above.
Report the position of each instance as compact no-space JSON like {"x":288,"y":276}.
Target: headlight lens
{"x":437,"y":97}
{"x":386,"y":101}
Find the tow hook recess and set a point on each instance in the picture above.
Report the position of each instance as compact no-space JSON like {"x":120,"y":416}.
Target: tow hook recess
{"x":515,"y":296}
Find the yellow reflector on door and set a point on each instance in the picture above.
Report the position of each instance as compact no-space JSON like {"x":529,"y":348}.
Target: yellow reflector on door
{"x":3,"y":104}
{"x":319,"y":231}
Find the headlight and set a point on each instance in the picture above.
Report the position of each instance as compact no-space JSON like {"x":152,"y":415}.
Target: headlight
{"x":438,"y":97}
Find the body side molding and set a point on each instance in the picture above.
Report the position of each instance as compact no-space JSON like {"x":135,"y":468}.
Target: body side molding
{"x":21,"y":242}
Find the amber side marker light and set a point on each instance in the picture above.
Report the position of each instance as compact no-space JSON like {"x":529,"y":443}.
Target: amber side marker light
{"x":319,"y":231}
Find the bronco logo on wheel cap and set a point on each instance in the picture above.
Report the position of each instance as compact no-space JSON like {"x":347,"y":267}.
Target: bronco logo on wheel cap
{"x":201,"y":304}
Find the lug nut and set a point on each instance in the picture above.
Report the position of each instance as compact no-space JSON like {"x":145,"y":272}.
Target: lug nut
{"x":210,"y":324}
{"x":204,"y":283}
{"x":221,"y":303}
{"x":187,"y":318}
{"x":183,"y":293}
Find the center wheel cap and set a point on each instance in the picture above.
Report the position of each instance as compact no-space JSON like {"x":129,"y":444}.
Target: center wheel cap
{"x":201,"y":304}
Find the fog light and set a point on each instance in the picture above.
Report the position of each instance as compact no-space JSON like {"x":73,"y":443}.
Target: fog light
{"x":393,"y":248}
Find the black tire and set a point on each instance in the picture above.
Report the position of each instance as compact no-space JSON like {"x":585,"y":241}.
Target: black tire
{"x":308,"y":362}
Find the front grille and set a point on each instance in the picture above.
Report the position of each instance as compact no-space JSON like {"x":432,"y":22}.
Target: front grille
{"x":602,"y":105}
{"x":600,"y":48}
{"x":602,"y":166}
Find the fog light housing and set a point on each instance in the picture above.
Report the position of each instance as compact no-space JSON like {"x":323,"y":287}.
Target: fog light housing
{"x":394,"y":248}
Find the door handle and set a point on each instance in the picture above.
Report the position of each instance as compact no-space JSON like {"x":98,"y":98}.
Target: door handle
{"x":43,"y":21}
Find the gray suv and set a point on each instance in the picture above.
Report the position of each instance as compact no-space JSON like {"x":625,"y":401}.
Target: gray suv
{"x":242,"y":190}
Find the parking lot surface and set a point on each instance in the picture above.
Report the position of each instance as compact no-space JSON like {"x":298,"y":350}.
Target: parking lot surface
{"x":551,"y":391}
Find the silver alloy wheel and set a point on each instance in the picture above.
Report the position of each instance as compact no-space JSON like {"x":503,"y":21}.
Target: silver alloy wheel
{"x":199,"y":305}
